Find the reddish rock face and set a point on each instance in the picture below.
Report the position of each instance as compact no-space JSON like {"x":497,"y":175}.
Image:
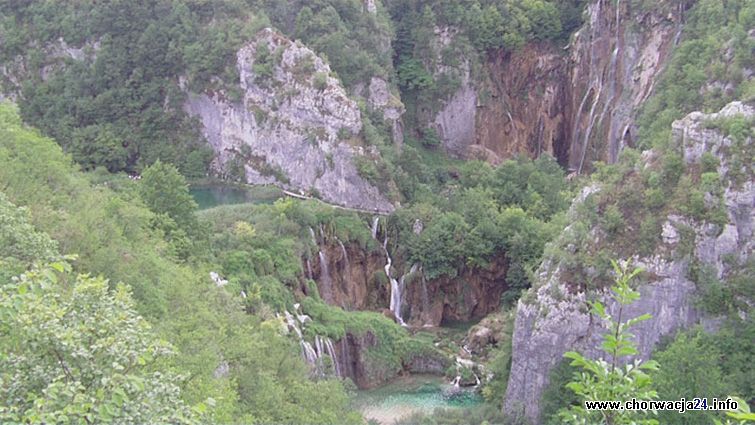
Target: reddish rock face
{"x":350,"y":277}
{"x":527,"y":110}
{"x":577,"y":103}
{"x":354,"y":279}
{"x":470,"y":296}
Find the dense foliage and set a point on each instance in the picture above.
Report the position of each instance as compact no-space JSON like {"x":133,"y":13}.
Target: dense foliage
{"x":480,"y":213}
{"x":707,"y":69}
{"x":265,"y":379}
{"x":76,"y":352}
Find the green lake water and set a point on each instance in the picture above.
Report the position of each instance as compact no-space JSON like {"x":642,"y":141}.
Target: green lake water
{"x":211,"y":196}
{"x":416,"y":393}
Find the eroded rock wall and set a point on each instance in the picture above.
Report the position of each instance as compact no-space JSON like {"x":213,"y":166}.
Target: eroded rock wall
{"x":553,"y":318}
{"x":353,"y":278}
{"x":294,"y":125}
{"x":578,"y":103}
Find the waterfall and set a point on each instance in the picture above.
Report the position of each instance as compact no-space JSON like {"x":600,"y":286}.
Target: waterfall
{"x":395,"y":303}
{"x":345,"y":255}
{"x":312,"y":236}
{"x":612,"y":147}
{"x":598,"y":86}
{"x":396,"y":286}
{"x":309,"y":269}
{"x":312,"y":354}
{"x":374,"y":228}
{"x":332,"y":353}
{"x":327,"y":283}
{"x":308,"y":352}
{"x":456,"y":381}
{"x":292,"y":323}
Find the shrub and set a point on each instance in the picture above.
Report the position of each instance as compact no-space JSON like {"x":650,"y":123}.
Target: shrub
{"x":320,"y":81}
{"x":613,"y":220}
{"x":709,"y":163}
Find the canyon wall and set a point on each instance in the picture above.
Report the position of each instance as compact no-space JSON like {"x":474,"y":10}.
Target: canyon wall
{"x":554,"y":317}
{"x":578,"y":103}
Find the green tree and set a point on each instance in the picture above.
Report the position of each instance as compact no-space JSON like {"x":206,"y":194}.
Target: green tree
{"x":95,"y":146}
{"x":164,"y":190}
{"x":610,"y":380}
{"x":75,"y":352}
{"x":689,"y":368}
{"x":20,"y":243}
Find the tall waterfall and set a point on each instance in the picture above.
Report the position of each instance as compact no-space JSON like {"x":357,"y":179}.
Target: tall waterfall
{"x":327,"y":282}
{"x":397,"y":286}
{"x":343,"y":251}
{"x":374,"y":228}
{"x":396,"y":289}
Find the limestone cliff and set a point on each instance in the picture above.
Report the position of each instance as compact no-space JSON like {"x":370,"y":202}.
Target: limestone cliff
{"x":293,"y":126}
{"x":553,"y":318}
{"x":578,"y":103}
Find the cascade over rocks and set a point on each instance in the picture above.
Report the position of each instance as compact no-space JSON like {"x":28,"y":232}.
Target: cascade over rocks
{"x":553,"y":318}
{"x":579,"y":105}
{"x":353,"y":278}
{"x":293,"y":126}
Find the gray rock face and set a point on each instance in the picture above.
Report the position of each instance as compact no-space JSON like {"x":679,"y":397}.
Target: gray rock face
{"x":295,"y":128}
{"x":380,"y":98}
{"x":557,"y":320}
{"x":455,"y":121}
{"x":617,"y":55}
{"x":13,"y":73}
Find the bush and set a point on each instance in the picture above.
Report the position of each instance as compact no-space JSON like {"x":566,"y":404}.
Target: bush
{"x":709,"y":163}
{"x":613,"y":220}
{"x":320,"y":81}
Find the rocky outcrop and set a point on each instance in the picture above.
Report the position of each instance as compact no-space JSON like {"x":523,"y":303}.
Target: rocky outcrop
{"x":615,"y":61}
{"x":381,"y":99}
{"x":13,"y":73}
{"x":527,"y":109}
{"x":356,"y":363}
{"x":553,"y":318}
{"x":293,"y":126}
{"x":471,"y":295}
{"x":354,"y":279}
{"x":578,"y":104}
{"x":349,"y":276}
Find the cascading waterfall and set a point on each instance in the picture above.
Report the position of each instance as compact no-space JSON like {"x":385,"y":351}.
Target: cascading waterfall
{"x":332,"y":353}
{"x":312,"y":354}
{"x":374,"y":228}
{"x":598,"y":87}
{"x":612,"y":78}
{"x":469,"y":364}
{"x":345,"y":255}
{"x":397,"y":286}
{"x":327,"y":283}
{"x":395,"y":304}
{"x":312,"y":236}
